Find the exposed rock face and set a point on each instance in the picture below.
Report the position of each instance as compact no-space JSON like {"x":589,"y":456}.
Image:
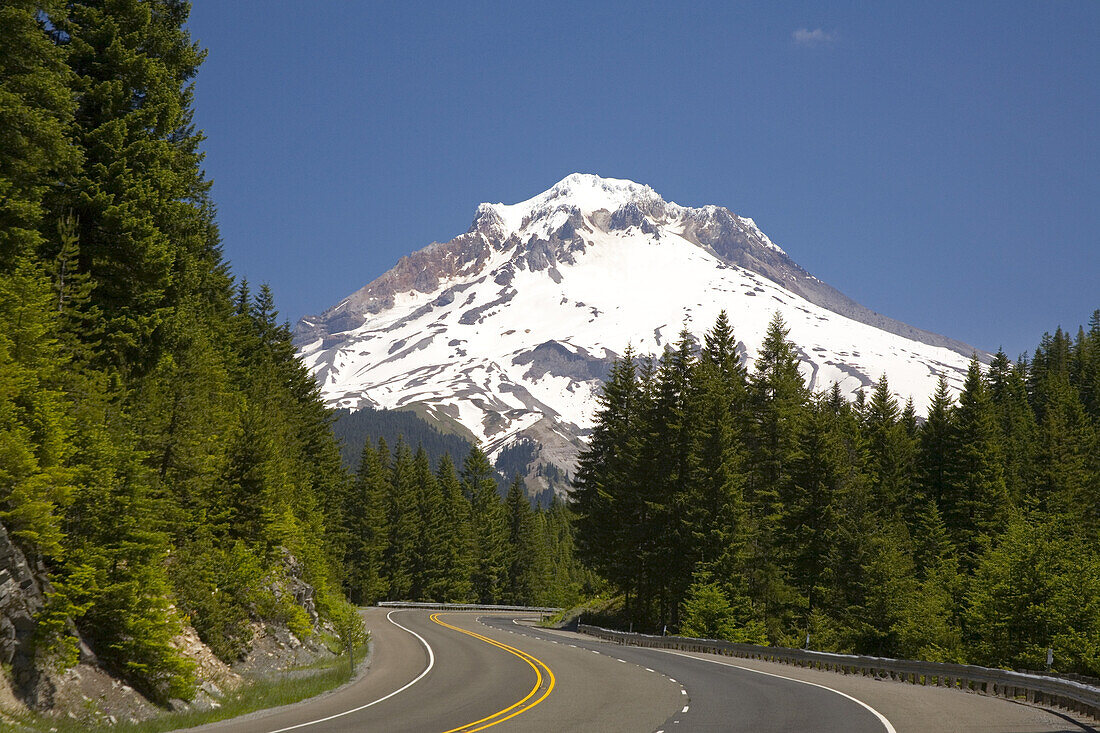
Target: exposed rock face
{"x":516,"y":321}
{"x":87,"y":693}
{"x":301,"y":591}
{"x":22,"y":596}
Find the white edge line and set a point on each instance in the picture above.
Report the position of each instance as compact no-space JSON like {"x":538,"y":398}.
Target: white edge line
{"x":882,"y":718}
{"x":431,"y":663}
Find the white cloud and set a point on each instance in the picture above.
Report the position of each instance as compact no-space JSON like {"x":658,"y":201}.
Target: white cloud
{"x":815,"y":37}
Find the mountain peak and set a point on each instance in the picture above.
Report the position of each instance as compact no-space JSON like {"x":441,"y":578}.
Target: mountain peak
{"x":583,"y":192}
{"x":508,"y":328}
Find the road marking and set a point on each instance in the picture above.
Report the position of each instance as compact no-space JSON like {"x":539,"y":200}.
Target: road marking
{"x":431,"y":663}
{"x":882,"y":718}
{"x":516,"y":708}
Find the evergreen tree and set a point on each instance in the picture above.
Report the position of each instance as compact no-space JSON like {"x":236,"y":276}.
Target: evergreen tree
{"x":778,"y":399}
{"x":404,"y":525}
{"x":139,"y":197}
{"x":1037,"y":589}
{"x":670,"y":466}
{"x":36,"y":111}
{"x":456,"y":561}
{"x":610,"y":506}
{"x":819,"y":475}
{"x":892,"y":452}
{"x":1008,"y":391}
{"x":428,"y":580}
{"x":938,"y":441}
{"x":526,"y":550}
{"x":714,"y":509}
{"x":975,"y":506}
{"x":365,"y":529}
{"x":487,"y":519}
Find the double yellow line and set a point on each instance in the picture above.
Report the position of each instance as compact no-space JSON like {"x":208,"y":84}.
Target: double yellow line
{"x":516,"y":708}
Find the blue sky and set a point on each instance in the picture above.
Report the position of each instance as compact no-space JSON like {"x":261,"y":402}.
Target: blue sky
{"x":938,"y":162}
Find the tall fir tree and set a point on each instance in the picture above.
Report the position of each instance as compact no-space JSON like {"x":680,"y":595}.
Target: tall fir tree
{"x":456,"y":541}
{"x":778,"y":398}
{"x":487,"y":519}
{"x":365,"y":529}
{"x":975,"y":507}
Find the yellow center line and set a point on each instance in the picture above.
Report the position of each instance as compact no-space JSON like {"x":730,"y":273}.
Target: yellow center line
{"x":536,"y":664}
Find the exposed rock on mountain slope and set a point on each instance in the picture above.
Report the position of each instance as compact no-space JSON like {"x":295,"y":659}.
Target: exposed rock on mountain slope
{"x":87,"y":693}
{"x":509,"y":328}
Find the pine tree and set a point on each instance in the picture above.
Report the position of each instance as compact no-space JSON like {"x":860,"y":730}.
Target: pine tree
{"x":975,"y":506}
{"x":428,"y":571}
{"x":365,"y":529}
{"x":778,"y":399}
{"x":139,"y":196}
{"x":819,"y":475}
{"x":671,"y":467}
{"x":938,"y":445}
{"x":36,"y":111}
{"x":487,"y":520}
{"x":715,"y":508}
{"x":1008,"y":391}
{"x":403,"y":523}
{"x":35,"y":427}
{"x":456,"y":543}
{"x":892,"y":453}
{"x":609,"y":505}
{"x":1037,"y":589}
{"x":526,"y":550}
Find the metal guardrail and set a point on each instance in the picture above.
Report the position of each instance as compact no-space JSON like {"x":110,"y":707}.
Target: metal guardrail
{"x":1036,"y":689}
{"x":466,"y":607}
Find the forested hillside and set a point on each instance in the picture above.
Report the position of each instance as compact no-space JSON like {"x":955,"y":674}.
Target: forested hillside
{"x":160,"y":446}
{"x":352,"y":429}
{"x":737,"y":505}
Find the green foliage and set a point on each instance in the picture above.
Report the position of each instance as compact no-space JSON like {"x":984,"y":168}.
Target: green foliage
{"x":707,"y":613}
{"x":219,"y":588}
{"x":411,"y":533}
{"x":1037,"y":589}
{"x":488,"y":529}
{"x":160,"y":446}
{"x":972,"y":537}
{"x":352,"y":429}
{"x":350,"y":632}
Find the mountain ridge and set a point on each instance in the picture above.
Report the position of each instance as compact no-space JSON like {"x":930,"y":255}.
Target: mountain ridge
{"x":509,"y":327}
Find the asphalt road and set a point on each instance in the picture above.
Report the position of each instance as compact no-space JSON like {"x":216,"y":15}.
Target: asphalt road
{"x":729,"y":694}
{"x":474,"y":684}
{"x":499,"y":673}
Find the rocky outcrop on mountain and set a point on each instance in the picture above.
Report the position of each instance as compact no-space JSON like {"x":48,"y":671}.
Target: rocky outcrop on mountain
{"x":509,"y":328}
{"x":88,"y":694}
{"x":22,"y":597}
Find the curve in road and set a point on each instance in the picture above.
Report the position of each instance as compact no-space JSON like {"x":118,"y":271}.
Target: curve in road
{"x":428,"y":677}
{"x":730,"y":698}
{"x":536,"y":664}
{"x":407,"y":685}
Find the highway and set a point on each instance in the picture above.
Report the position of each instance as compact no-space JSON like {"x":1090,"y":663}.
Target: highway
{"x":463,"y":672}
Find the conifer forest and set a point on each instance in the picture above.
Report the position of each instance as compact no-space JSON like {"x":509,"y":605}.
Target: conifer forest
{"x":737,"y":505}
{"x":163,"y":451}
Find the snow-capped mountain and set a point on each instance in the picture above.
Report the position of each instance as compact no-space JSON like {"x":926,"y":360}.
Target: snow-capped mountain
{"x":509,"y":328}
